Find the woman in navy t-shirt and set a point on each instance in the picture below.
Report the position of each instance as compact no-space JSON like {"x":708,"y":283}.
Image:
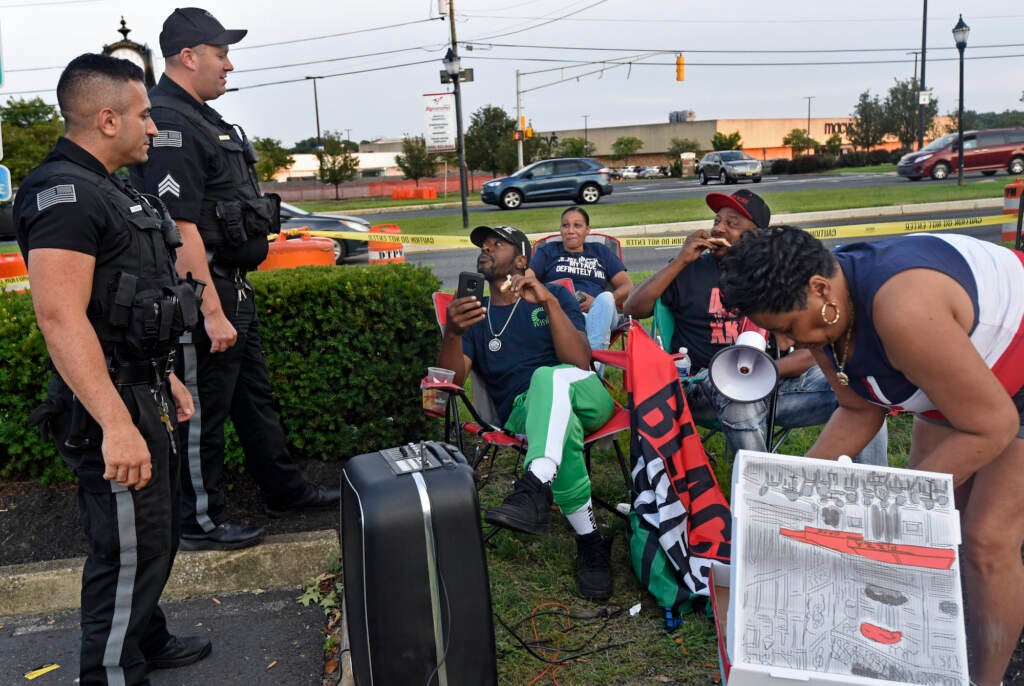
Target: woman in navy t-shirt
{"x":598,"y":275}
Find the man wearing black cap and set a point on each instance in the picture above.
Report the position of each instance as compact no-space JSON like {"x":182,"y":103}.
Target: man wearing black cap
{"x":527,"y":342}
{"x":688,"y":287}
{"x":201,"y":167}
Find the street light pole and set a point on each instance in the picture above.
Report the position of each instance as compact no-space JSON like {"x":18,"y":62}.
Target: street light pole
{"x":316,"y":109}
{"x":808,"y":98}
{"x":453,"y":66}
{"x":960,"y":32}
{"x":519,"y":118}
{"x":586,"y":143}
{"x":921,"y":87}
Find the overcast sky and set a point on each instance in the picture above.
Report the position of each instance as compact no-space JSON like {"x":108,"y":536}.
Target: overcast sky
{"x":38,"y":38}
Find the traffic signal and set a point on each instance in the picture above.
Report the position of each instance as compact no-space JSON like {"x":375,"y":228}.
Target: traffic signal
{"x":680,"y":68}
{"x":517,"y":135}
{"x":529,"y":132}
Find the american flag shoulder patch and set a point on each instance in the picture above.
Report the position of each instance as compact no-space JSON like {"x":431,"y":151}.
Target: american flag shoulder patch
{"x":167,"y":139}
{"x":64,"y":192}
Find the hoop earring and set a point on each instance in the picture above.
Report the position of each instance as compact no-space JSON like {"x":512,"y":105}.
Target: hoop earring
{"x":824,"y":310}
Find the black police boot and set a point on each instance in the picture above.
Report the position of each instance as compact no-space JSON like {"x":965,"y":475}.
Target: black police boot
{"x":316,"y":497}
{"x":178,"y":652}
{"x":527,"y":509}
{"x":226,"y":536}
{"x":593,"y":565}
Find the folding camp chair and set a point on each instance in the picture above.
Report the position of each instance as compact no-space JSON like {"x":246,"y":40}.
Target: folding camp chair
{"x":662,"y":327}
{"x":482,"y":422}
{"x":613,"y":244}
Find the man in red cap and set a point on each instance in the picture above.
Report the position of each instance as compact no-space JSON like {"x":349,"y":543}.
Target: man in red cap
{"x":688,"y":287}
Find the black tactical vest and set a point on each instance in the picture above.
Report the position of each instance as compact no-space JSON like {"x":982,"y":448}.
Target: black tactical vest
{"x":235,"y":218}
{"x":139,"y":306}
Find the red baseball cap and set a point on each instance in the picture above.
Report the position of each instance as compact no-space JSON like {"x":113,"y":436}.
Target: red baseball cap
{"x":750,"y":205}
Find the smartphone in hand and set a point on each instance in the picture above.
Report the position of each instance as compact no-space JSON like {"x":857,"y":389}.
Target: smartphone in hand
{"x":471,"y":283}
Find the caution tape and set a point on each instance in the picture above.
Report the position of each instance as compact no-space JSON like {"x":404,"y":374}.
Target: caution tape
{"x":915,"y":226}
{"x":12,"y":280}
{"x":823,"y":232}
{"x":845,"y":231}
{"x":407,"y":239}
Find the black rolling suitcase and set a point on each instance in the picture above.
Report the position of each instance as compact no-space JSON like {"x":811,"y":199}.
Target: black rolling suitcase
{"x":417,"y":598}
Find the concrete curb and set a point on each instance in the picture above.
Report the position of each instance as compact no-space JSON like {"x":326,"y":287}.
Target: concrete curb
{"x":284,"y":561}
{"x":791,"y":218}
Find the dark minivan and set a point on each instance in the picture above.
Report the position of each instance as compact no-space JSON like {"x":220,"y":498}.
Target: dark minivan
{"x":987,"y":151}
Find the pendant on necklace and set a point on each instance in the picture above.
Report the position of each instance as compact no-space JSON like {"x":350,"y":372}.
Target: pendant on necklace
{"x":494,"y":345}
{"x":841,"y":377}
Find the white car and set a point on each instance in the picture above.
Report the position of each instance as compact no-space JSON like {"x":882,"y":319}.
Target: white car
{"x":630,"y":172}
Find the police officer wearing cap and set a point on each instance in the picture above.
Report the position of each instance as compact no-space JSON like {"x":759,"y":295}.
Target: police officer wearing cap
{"x":202,"y":168}
{"x":110,"y":306}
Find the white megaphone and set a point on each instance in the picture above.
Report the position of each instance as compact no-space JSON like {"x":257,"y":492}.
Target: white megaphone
{"x":744,"y":372}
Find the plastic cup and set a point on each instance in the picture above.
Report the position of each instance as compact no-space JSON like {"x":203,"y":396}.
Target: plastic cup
{"x":434,"y":400}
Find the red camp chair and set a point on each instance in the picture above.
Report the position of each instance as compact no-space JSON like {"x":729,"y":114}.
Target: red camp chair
{"x":613,"y":243}
{"x":482,"y":422}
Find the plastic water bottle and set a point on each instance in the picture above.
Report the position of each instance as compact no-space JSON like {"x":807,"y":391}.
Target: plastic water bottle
{"x":682,"y":360}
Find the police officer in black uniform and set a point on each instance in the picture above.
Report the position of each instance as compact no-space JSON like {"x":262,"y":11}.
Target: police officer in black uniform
{"x":110,"y":305}
{"x":202,"y":168}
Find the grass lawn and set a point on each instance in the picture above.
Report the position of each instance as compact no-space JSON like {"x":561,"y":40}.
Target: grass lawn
{"x":539,"y":220}
{"x":533,"y":577}
{"x":873,"y":169}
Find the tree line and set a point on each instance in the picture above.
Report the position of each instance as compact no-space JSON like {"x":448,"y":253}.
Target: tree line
{"x":31,"y":127}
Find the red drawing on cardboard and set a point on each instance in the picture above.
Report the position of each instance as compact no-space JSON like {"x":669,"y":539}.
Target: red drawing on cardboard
{"x":850,"y":543}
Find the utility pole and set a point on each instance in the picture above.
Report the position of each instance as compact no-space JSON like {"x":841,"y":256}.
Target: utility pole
{"x":808,"y":98}
{"x":921,"y":86}
{"x":519,"y":118}
{"x":915,"y":53}
{"x":460,"y":145}
{"x":586,"y":143}
{"x":316,"y":109}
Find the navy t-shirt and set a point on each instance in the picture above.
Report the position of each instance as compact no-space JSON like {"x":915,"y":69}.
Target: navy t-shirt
{"x":590,"y":270}
{"x":526,"y":345}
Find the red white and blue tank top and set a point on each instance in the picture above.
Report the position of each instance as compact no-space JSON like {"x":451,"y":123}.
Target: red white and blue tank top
{"x":993,"y":277}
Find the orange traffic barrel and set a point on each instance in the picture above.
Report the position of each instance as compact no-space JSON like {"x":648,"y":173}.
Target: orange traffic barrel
{"x":402,"y":194}
{"x":425,"y":193}
{"x":306,"y":250}
{"x":1011,"y":206}
{"x":13,"y":273}
{"x":385,"y":252}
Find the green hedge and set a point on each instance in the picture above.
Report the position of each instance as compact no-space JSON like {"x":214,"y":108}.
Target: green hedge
{"x":346,"y":348}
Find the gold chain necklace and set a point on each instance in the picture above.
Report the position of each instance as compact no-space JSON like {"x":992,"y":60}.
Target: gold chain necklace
{"x":494,"y":345}
{"x":842,"y":376}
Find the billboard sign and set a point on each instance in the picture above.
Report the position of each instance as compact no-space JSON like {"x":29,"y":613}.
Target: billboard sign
{"x":439,"y":122}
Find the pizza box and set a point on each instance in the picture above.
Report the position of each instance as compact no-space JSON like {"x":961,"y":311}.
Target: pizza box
{"x":841,"y":574}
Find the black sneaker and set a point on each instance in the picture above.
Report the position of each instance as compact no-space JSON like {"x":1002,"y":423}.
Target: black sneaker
{"x":316,"y":497}
{"x":593,"y":566}
{"x":225,"y":536}
{"x":179,"y":652}
{"x":527,"y":509}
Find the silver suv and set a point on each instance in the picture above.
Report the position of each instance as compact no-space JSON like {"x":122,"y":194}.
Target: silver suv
{"x":728,"y":166}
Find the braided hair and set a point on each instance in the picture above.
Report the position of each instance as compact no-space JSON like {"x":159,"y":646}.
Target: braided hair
{"x":768,"y":270}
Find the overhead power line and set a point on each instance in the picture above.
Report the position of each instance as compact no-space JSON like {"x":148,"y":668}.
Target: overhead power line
{"x":621,"y":20}
{"x":333,"y":35}
{"x":471,"y":44}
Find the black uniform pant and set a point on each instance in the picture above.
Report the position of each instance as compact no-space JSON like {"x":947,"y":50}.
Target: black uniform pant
{"x":232,"y":384}
{"x":132,"y":538}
